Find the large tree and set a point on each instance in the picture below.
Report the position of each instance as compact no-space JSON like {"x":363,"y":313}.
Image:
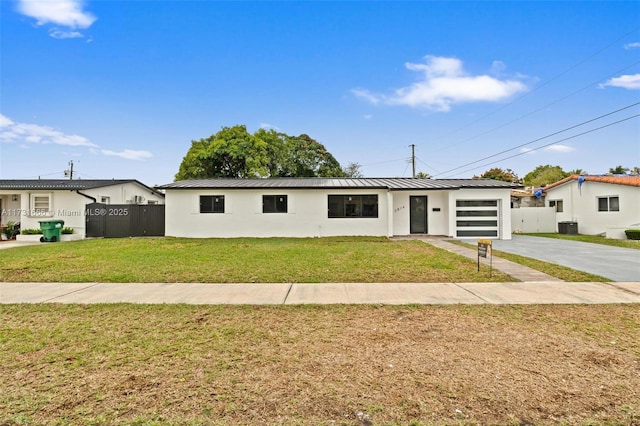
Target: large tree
{"x":235,"y":153}
{"x":544,"y":175}
{"x":497,"y":173}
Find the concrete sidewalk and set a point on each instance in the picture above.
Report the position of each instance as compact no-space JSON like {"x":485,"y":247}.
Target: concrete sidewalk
{"x":328,"y":293}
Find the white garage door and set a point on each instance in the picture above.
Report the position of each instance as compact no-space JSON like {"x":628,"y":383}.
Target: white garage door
{"x":477,"y":218}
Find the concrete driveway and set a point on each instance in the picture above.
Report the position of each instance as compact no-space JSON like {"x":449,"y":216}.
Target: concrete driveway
{"x":614,"y":263}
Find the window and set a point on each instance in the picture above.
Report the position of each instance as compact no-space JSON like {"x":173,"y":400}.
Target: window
{"x":353,"y":206}
{"x":476,"y":203}
{"x":476,"y":213}
{"x":558,"y":204}
{"x":40,"y":203}
{"x":274,"y":204}
{"x":105,"y":200}
{"x":608,"y":204}
{"x":212,"y":204}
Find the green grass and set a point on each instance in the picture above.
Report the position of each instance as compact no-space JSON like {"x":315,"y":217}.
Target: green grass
{"x":558,"y":271}
{"x":596,"y":239}
{"x":242,"y":260}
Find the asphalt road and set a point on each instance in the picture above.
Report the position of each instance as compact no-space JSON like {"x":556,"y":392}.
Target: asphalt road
{"x":613,"y":263}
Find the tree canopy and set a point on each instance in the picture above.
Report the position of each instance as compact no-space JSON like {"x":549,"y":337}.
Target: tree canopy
{"x":544,"y":175}
{"x":235,"y":153}
{"x":618,"y":170}
{"x":497,"y":173}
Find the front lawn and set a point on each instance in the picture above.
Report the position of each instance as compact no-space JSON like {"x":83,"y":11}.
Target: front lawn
{"x":241,"y":260}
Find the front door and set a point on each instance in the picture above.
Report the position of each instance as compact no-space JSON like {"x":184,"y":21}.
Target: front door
{"x":418,"y":215}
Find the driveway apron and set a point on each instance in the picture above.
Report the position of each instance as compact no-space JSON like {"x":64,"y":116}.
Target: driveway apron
{"x":613,"y":263}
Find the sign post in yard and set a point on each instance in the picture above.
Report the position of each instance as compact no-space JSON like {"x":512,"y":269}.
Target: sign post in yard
{"x":484,"y":248}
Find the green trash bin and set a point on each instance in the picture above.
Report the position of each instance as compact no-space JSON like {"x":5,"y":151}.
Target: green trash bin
{"x":50,"y":230}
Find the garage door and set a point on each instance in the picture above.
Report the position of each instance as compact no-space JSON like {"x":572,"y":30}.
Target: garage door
{"x":477,"y":218}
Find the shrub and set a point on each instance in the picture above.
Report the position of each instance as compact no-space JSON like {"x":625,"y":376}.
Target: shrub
{"x":31,"y":231}
{"x":11,"y":230}
{"x":66,"y":231}
{"x":633,"y":234}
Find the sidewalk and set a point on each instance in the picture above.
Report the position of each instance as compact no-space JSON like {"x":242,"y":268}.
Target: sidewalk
{"x":327,"y":293}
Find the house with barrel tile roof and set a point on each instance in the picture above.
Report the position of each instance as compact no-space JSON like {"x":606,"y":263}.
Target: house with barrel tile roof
{"x":603,"y":204}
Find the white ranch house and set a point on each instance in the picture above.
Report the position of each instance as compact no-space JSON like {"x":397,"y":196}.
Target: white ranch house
{"x":606,"y":204}
{"x":29,"y":201}
{"x":319,"y":207}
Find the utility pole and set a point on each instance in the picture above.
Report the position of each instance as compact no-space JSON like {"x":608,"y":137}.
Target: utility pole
{"x":413,"y":159}
{"x":70,"y":171}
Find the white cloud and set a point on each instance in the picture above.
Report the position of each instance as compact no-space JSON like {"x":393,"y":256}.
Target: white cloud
{"x":56,"y":33}
{"x":367,"y":116}
{"x":631,"y":82}
{"x":559,"y":148}
{"x":367,"y":96}
{"x":34,"y":133}
{"x":26,"y":134}
{"x":129,"y":154}
{"x":5,"y":121}
{"x":632,"y":45}
{"x":445,"y":83}
{"x":67,"y":13}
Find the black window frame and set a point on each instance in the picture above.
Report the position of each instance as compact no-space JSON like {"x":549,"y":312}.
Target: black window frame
{"x":275,"y":204}
{"x":350,"y":206}
{"x":606,"y":206}
{"x":211,"y":204}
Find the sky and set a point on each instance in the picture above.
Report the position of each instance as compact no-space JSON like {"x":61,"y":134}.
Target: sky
{"x":121,"y":88}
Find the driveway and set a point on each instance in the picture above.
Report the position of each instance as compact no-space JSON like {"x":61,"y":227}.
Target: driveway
{"x":614,"y":263}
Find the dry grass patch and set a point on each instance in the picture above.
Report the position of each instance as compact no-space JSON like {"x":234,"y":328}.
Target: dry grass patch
{"x":176,"y":364}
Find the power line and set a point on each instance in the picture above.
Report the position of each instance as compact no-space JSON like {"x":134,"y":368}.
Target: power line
{"x":541,"y":108}
{"x":541,"y":138}
{"x":552,"y":143}
{"x":566,"y":71}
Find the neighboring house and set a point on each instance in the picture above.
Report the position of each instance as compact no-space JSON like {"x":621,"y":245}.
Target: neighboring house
{"x":606,"y":204}
{"x":29,"y":201}
{"x":318,"y":207}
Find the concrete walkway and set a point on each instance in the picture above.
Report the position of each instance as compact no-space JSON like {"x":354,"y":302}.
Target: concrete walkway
{"x":328,"y":293}
{"x":515,"y":270}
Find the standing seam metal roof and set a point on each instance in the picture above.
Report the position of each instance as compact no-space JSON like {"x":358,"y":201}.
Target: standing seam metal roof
{"x":392,"y":184}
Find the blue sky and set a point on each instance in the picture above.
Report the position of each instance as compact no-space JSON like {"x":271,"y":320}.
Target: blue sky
{"x":122,"y":87}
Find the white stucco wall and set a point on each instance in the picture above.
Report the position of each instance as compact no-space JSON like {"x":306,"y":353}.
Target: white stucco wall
{"x":64,"y":205}
{"x":581,"y":205}
{"x":243,"y":217}
{"x":124,"y":194}
{"x":307,"y":213}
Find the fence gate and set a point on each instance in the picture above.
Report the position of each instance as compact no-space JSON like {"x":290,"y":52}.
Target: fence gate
{"x":124,"y":220}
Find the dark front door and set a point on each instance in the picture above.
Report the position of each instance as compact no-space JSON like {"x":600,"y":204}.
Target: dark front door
{"x":418,"y":215}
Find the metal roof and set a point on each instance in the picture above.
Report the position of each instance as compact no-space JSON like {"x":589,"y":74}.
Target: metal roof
{"x":66,"y":184}
{"x":393,"y":184}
